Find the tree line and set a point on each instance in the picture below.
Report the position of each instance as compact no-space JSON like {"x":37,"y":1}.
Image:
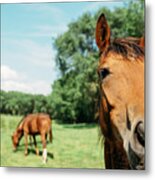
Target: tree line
{"x":18,"y":103}
{"x":74,"y":97}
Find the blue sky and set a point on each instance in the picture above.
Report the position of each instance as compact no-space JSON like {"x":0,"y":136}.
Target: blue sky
{"x":27,"y":30}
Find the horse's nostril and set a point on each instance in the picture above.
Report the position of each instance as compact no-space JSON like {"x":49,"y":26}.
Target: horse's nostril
{"x":140,"y":134}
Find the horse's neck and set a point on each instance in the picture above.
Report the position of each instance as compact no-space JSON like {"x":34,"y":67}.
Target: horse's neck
{"x":20,"y":129}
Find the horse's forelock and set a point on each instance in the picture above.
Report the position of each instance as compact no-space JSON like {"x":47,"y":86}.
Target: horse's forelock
{"x":126,"y":47}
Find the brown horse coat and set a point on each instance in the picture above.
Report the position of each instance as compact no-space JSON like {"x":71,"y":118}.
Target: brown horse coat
{"x":33,"y":124}
{"x":121,"y":111}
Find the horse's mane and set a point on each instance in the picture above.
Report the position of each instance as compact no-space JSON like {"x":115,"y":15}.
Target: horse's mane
{"x":20,"y":123}
{"x":127,"y":47}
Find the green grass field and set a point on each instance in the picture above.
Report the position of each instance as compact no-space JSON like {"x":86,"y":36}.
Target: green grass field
{"x":74,"y":146}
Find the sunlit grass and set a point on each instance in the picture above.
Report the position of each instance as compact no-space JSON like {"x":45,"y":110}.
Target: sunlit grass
{"x":74,"y":146}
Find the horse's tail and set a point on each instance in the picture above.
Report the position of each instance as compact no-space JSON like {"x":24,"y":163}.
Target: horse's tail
{"x":50,"y":135}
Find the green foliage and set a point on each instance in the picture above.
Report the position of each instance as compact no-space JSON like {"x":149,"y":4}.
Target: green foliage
{"x":135,"y":18}
{"x":75,"y":94}
{"x":73,"y":146}
{"x":17,"y":103}
{"x":70,"y":93}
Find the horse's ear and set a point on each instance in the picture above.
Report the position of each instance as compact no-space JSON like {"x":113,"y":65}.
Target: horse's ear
{"x":102,"y":33}
{"x":142,"y":42}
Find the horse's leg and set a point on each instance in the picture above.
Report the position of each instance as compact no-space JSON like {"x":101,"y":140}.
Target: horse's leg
{"x":50,"y":135}
{"x":26,"y":143}
{"x":35,"y":144}
{"x":30,"y":138}
{"x":43,"y":139}
{"x":46,"y":137}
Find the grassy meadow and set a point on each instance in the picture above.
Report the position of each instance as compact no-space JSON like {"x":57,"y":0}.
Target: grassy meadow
{"x":74,"y":146}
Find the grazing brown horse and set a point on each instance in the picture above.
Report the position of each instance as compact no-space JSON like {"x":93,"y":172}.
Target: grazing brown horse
{"x":33,"y":124}
{"x":121,"y":110}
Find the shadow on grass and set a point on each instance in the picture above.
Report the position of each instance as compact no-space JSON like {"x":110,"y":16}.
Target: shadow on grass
{"x":49,"y":154}
{"x":31,"y":145}
{"x":21,"y":148}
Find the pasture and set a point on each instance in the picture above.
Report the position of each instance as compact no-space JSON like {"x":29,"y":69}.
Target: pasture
{"x":74,"y":146}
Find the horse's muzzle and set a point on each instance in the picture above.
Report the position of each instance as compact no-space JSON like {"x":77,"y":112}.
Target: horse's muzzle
{"x":140,"y":133}
{"x":14,"y":149}
{"x":136,"y":162}
{"x":136,"y":150}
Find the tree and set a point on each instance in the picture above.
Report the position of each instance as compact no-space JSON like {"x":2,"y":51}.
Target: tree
{"x":17,"y":103}
{"x":75,"y":94}
{"x":74,"y":98}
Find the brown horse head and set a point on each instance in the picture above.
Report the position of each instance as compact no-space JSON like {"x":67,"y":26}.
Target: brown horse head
{"x":15,"y":140}
{"x":17,"y":135}
{"x":121,"y":74}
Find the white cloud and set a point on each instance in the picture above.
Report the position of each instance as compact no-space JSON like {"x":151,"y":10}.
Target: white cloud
{"x":38,"y":87}
{"x":37,"y":53}
{"x":50,"y":31}
{"x":47,"y":31}
{"x":11,"y":80}
{"x":30,"y":52}
{"x":33,"y":63}
{"x":40,"y":31}
{"x":8,"y":74}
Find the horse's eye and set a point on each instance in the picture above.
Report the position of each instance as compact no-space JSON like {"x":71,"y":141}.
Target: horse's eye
{"x":104,"y":73}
